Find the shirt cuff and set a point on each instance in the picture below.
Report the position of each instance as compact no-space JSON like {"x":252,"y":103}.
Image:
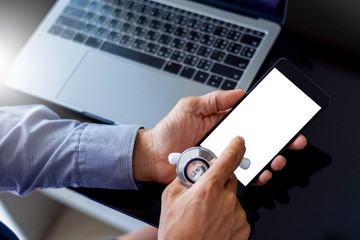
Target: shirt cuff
{"x":105,"y":156}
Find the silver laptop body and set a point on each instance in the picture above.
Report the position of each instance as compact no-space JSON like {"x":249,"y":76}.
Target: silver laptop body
{"x":131,"y":61}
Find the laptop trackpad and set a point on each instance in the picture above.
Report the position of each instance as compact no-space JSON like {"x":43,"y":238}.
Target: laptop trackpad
{"x":119,"y":90}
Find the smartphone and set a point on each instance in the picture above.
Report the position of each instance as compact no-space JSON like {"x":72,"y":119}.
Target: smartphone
{"x":268,"y":117}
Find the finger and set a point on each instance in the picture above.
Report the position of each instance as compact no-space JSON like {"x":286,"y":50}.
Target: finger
{"x":263,"y":178}
{"x":278,"y":163}
{"x":298,"y":143}
{"x":218,"y":101}
{"x":176,"y":186}
{"x":228,"y":161}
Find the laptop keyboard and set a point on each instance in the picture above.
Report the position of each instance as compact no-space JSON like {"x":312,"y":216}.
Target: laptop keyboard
{"x":180,"y":42}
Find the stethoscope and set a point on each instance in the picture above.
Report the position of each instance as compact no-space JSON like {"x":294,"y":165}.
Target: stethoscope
{"x":194,"y":162}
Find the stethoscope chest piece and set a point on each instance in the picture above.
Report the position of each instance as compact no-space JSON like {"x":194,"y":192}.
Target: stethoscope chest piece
{"x":192,"y":164}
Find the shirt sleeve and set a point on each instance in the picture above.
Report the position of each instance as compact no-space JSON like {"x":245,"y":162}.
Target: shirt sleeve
{"x":40,"y":150}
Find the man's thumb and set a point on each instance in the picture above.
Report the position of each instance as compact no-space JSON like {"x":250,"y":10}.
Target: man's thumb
{"x":229,"y":160}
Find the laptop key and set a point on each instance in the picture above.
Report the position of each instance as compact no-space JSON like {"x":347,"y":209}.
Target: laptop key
{"x":107,"y":10}
{"x":156,"y":24}
{"x":234,"y":48}
{"x":115,"y":24}
{"x":114,"y":36}
{"x":228,"y":85}
{"x":93,"y":42}
{"x":156,"y":13}
{"x":68,"y":34}
{"x":181,"y":20}
{"x":226,"y":71}
{"x":139,"y":44}
{"x":82,"y":3}
{"x":215,"y":81}
{"x":172,"y":67}
{"x":168,"y":28}
{"x":194,"y":36}
{"x":191,"y":60}
{"x":104,"y":21}
{"x":251,"y":40}
{"x":191,"y":47}
{"x":187,"y":72}
{"x":178,"y":56}
{"x":144,"y":9}
{"x":204,"y":51}
{"x":75,"y":12}
{"x":133,"y":55}
{"x":120,"y":2}
{"x":152,"y":48}
{"x":91,"y":17}
{"x":130,"y":17}
{"x":126,"y":40}
{"x":207,"y":27}
{"x":178,"y":43}
{"x":201,"y":76}
{"x":132,"y":5}
{"x":204,"y":64}
{"x":165,"y":39}
{"x":221,"y":43}
{"x":164,"y":52}
{"x":69,"y":22}
{"x":127,"y":28}
{"x":56,"y":30}
{"x":152,"y":35}
{"x":143,"y":20}
{"x":233,"y":35}
{"x":220,"y":31}
{"x":246,"y":30}
{"x":139,"y":32}
{"x":207,"y":40}
{"x":95,"y":6}
{"x":217,"y":55}
{"x":169,"y":16}
{"x":236,"y":61}
{"x":258,"y":33}
{"x":248,"y":52}
{"x":90,"y":29}
{"x":119,"y":13}
{"x":102,"y":33}
{"x":181,"y":32}
{"x":194,"y":23}
{"x":80,"y":38}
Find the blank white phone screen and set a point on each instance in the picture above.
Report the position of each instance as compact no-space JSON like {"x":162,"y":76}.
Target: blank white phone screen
{"x":268,"y":118}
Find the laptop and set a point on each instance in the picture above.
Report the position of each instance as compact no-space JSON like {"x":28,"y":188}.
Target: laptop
{"x":131,"y":61}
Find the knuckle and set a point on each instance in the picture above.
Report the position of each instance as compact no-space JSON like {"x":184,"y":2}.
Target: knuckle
{"x":188,"y":101}
{"x":232,"y":199}
{"x":170,"y":191}
{"x":210,"y":190}
{"x":231,"y":203}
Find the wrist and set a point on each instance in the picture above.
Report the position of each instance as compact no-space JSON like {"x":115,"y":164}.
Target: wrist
{"x":143,"y":156}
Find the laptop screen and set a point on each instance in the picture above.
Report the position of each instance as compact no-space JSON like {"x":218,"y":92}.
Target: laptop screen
{"x":274,"y":10}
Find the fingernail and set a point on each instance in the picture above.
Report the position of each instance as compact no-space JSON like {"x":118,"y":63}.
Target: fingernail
{"x":241,"y":138}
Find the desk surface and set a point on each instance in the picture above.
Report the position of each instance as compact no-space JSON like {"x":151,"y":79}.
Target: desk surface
{"x":318,"y":193}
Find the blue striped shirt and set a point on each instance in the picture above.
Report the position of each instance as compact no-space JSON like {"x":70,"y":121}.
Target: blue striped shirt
{"x":38,"y":149}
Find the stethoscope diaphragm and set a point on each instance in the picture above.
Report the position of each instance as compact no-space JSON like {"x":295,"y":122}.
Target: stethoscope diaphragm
{"x":192,"y":164}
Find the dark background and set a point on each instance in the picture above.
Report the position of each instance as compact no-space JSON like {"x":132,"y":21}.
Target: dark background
{"x":317,"y":196}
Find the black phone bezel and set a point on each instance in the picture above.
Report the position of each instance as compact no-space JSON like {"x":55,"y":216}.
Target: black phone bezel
{"x":304,"y":83}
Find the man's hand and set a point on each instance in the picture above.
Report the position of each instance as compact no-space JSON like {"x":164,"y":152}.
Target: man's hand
{"x":210,"y":208}
{"x":183,"y":128}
